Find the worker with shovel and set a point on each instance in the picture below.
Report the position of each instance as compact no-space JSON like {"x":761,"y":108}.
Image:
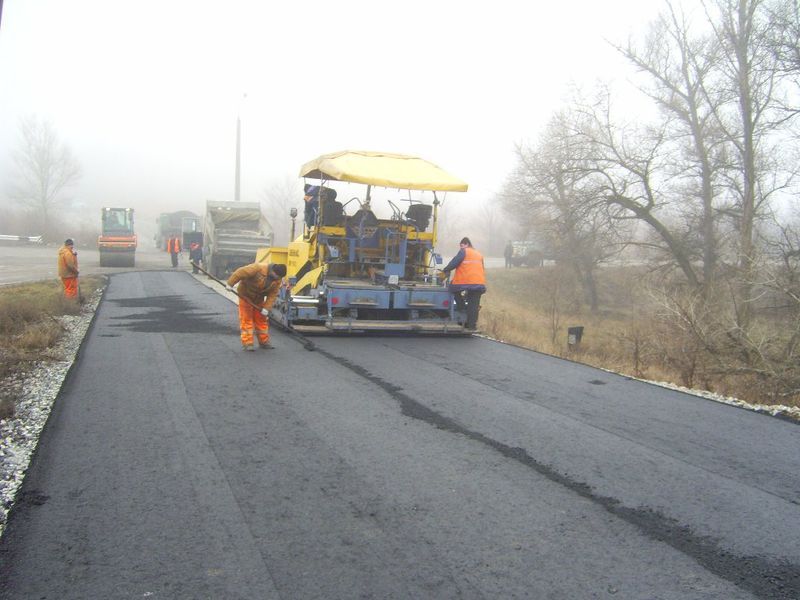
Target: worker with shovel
{"x":259,"y":284}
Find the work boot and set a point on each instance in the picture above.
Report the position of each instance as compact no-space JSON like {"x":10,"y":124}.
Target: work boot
{"x":266,"y":345}
{"x":248,"y":349}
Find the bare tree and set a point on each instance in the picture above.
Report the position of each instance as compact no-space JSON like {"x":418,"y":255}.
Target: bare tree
{"x":280,"y":197}
{"x":45,"y":169}
{"x":450,"y":228}
{"x":551,"y":186}
{"x":629,"y":168}
{"x":785,"y":43}
{"x":781,"y":278}
{"x":679,"y":67}
{"x":490,"y":226}
{"x":749,"y":74}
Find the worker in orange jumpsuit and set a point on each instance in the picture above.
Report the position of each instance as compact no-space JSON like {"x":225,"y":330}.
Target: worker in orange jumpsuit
{"x":68,"y":268}
{"x":174,"y":247}
{"x":469,"y":282}
{"x":259,"y":284}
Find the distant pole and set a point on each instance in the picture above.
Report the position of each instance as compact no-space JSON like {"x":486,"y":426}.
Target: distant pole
{"x":238,"y":157}
{"x":237,"y":189}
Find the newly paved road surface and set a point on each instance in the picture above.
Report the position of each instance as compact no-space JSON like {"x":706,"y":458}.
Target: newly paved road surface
{"x":176,"y":466}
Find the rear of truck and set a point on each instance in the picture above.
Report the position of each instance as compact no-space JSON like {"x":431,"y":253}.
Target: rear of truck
{"x":233,"y":232}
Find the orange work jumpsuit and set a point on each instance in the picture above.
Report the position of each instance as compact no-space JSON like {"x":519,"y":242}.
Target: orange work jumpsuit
{"x":255,"y":286}
{"x":68,"y":270}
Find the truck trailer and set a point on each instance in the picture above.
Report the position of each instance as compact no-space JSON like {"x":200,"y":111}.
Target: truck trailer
{"x":233,"y":232}
{"x":191,"y":232}
{"x":174,"y":224}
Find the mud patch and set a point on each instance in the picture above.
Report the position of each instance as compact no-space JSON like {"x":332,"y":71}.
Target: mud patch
{"x":168,"y":314}
{"x":33,"y":498}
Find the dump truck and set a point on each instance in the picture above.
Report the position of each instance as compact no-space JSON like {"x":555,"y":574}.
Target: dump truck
{"x":352,"y":271}
{"x":117,"y":241}
{"x":233,"y":232}
{"x":169,"y":225}
{"x":191,"y":232}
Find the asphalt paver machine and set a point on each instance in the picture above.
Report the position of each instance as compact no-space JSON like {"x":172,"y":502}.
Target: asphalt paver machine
{"x":360,"y":267}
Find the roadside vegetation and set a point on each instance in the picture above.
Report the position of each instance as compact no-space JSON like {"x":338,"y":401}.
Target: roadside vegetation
{"x":648,"y":329}
{"x":699,"y":186}
{"x":30,"y":326}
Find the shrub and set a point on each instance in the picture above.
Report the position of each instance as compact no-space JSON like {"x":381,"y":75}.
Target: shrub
{"x":28,"y":320}
{"x":649,"y":327}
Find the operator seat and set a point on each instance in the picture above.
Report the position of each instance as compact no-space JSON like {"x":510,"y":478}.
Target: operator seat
{"x":420,"y":215}
{"x":363,"y":226}
{"x":332,"y":211}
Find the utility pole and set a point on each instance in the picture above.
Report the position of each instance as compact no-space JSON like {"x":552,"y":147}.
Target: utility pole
{"x":236,"y":192}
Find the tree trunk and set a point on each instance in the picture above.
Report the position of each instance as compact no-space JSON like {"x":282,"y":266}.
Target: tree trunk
{"x":748,"y":171}
{"x":678,"y":252}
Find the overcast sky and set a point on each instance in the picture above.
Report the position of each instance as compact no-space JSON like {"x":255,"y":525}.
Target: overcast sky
{"x":147,"y":93}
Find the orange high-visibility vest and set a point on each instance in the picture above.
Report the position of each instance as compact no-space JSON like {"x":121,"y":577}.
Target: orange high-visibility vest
{"x":470,"y":271}
{"x":173,"y":245}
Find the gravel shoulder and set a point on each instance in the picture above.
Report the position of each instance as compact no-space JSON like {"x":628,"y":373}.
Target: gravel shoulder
{"x":35,"y":390}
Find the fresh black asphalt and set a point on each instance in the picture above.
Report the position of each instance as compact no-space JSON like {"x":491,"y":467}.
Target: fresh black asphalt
{"x":174,"y":465}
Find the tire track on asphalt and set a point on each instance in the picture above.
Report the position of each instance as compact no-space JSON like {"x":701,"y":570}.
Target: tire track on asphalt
{"x":774,"y":580}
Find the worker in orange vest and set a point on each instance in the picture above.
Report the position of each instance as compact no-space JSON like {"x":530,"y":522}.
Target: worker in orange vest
{"x":68,"y":268}
{"x":469,"y":282}
{"x":174,"y":247}
{"x":259,"y":284}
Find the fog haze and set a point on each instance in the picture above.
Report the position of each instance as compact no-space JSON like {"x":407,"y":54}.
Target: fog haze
{"x":147,"y":94}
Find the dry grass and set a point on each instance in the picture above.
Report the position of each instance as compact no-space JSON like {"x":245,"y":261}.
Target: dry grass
{"x":28,"y":320}
{"x":535,"y":307}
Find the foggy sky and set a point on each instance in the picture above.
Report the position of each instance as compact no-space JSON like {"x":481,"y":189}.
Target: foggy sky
{"x":147,"y":93}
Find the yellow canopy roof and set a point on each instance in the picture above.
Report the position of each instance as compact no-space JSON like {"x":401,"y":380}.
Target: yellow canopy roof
{"x":382,"y":169}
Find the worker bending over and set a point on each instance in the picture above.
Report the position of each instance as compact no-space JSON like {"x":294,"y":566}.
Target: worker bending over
{"x":469,"y":282}
{"x":68,"y":269}
{"x":259,"y":284}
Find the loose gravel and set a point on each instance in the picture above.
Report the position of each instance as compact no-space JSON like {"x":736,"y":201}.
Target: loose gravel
{"x":34,"y":392}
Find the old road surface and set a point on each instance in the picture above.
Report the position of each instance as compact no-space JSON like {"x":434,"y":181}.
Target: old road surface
{"x":175,"y":465}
